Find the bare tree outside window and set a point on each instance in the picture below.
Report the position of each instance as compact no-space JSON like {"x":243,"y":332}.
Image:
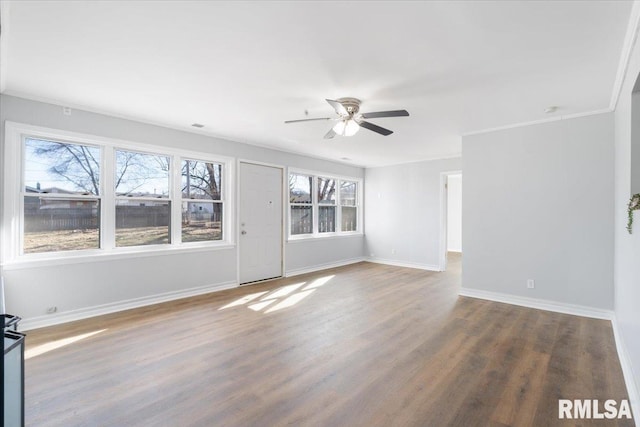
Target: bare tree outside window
{"x":326,"y":191}
{"x":141,"y":174}
{"x":201,"y":180}
{"x":72,"y":168}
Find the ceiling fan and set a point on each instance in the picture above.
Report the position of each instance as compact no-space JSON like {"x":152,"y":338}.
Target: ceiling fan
{"x":350,"y":120}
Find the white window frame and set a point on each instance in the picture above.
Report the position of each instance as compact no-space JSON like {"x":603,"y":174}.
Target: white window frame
{"x":357,"y":205}
{"x":223,"y":193}
{"x":334,"y":205}
{"x":13,"y":200}
{"x":170,"y":198}
{"x":315,"y":206}
{"x":314,"y":219}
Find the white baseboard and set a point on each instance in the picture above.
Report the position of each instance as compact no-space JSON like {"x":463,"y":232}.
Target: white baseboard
{"x":627,"y":370}
{"x":428,"y":267}
{"x":97,"y":310}
{"x":558,"y":307}
{"x":318,"y":267}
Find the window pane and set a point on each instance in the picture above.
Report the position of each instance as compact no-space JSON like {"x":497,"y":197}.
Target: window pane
{"x":142,"y":222}
{"x":349,"y":218}
{"x":348,"y":193}
{"x":201,"y":221}
{"x":326,"y":219}
{"x":56,"y":167}
{"x":300,"y":188}
{"x":301,"y":220}
{"x":52,"y":225}
{"x":201,"y":180}
{"x":141,"y":175}
{"x":326,"y":191}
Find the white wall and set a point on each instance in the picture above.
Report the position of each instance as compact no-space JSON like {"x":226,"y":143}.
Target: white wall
{"x":454,"y":213}
{"x":82,"y":288}
{"x":635,"y":138}
{"x":325,"y":252}
{"x":627,"y":246}
{"x":402,"y":212}
{"x":537,"y":205}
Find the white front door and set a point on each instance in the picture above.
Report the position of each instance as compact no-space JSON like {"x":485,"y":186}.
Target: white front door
{"x":260,"y":222}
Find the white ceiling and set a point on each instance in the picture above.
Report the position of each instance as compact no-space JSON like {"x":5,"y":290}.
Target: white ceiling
{"x":242,"y":68}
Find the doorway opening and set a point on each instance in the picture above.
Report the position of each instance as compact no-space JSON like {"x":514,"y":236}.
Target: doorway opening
{"x":450,"y":218}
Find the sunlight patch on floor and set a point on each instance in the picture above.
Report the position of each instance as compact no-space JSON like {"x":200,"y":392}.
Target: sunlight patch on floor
{"x":280,"y":298}
{"x":283,"y":291}
{"x":260,"y":305}
{"x":291,"y":300}
{"x":53,"y":345}
{"x":319,"y":282}
{"x":245,"y":299}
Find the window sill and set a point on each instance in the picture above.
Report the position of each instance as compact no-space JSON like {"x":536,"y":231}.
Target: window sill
{"x":324,"y":236}
{"x":99,"y":255}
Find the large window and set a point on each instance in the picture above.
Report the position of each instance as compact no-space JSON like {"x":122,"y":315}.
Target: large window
{"x":322,"y":205}
{"x":61,"y":196}
{"x":70,"y":192}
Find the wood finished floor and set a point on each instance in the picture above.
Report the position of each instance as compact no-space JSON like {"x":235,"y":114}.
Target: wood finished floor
{"x":362,"y":345}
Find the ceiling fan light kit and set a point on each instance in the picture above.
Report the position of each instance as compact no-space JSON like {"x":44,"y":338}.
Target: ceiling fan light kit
{"x":350,"y":120}
{"x":347,"y":127}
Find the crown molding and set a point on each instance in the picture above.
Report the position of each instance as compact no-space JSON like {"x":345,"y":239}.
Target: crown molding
{"x":537,"y":122}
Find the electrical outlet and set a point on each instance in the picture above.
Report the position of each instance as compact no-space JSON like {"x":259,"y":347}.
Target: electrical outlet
{"x":372,"y":254}
{"x":393,"y":251}
{"x":51,"y":310}
{"x":531,"y":284}
{"x":66,"y":111}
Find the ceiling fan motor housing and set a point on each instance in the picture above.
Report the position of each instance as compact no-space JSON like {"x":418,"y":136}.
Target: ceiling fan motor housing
{"x":352,"y":105}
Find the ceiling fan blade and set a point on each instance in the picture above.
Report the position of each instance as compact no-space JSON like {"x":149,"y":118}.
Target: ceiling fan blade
{"x":338,"y":107}
{"x":307,"y":120}
{"x":330,"y":134}
{"x":375,"y":128}
{"x":377,"y":114}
